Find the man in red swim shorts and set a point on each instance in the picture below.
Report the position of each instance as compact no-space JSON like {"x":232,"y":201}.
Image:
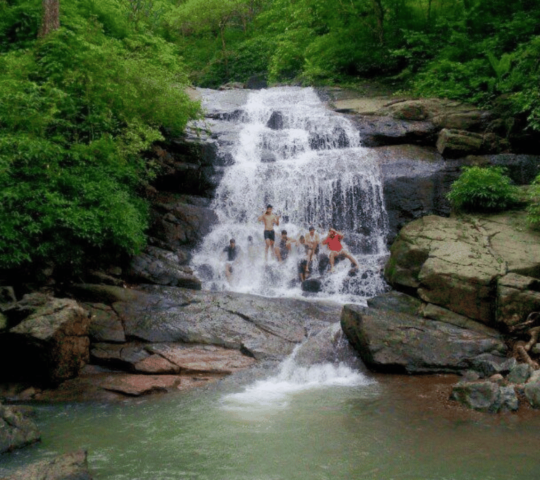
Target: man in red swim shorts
{"x":333,"y":240}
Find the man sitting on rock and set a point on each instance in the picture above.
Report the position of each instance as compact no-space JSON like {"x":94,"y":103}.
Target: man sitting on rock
{"x":333,"y":240}
{"x":232,"y":253}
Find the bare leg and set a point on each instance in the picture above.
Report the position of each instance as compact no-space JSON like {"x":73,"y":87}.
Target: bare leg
{"x":228,"y":272}
{"x":269,"y":245}
{"x":332,"y":257}
{"x":277,"y":253}
{"x":350,"y":257}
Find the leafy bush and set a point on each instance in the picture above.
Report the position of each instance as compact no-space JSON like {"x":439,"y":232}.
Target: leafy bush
{"x":482,"y":189}
{"x":77,"y":111}
{"x":533,"y":210}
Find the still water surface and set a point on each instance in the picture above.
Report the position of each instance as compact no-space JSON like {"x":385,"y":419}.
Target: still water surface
{"x":323,"y":425}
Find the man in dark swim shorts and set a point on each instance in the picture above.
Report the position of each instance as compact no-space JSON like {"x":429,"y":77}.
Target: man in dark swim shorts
{"x":269,"y":219}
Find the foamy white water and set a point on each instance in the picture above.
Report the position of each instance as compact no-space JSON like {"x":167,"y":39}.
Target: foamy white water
{"x":275,"y":392}
{"x":305,"y":160}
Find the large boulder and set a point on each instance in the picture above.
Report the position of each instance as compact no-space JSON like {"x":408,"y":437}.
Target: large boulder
{"x":261,"y":327}
{"x":51,"y":344}
{"x":392,"y":341}
{"x":449,"y":263}
{"x":460,"y":143}
{"x":70,"y":466}
{"x":16,"y":429}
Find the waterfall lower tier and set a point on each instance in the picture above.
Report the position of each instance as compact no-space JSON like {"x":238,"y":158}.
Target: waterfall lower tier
{"x":293,"y":153}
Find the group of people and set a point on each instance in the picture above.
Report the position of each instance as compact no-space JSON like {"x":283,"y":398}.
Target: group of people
{"x":308,"y":246}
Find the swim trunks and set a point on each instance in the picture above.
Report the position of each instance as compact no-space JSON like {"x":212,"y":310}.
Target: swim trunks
{"x":283,"y":249}
{"x":270,"y":235}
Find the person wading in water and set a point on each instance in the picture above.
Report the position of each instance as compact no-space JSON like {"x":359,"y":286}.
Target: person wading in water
{"x":333,"y":240}
{"x":269,"y":219}
{"x":231,"y":254}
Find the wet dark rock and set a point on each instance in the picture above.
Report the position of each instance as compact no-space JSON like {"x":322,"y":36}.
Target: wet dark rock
{"x":264,"y":327}
{"x":398,"y":342}
{"x":102,"y":277}
{"x":312,"y":285}
{"x":482,"y":396}
{"x":256,"y":82}
{"x":70,"y":466}
{"x":105,"y":326}
{"x":276,"y":121}
{"x":16,"y":429}
{"x":520,"y":373}
{"x":488,"y":364}
{"x":415,"y":183}
{"x":161,"y":270}
{"x":179,"y":224}
{"x":470,"y":376}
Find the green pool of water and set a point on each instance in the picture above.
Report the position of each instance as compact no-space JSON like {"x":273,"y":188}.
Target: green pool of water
{"x":392,"y":428}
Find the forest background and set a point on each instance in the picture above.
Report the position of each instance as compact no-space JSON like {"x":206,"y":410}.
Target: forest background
{"x":84,"y":95}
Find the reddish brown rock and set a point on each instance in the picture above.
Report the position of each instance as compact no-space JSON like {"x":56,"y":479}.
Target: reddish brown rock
{"x":203,"y":359}
{"x":137,"y":385}
{"x":156,"y":364}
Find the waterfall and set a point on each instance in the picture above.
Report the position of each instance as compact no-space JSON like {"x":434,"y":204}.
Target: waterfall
{"x":290,"y":151}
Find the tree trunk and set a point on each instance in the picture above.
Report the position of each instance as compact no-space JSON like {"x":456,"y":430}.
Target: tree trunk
{"x":51,"y":17}
{"x":378,"y":9}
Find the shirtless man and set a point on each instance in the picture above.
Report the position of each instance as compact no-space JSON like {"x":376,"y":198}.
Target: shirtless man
{"x":284,"y":247}
{"x":333,"y":240}
{"x":313,"y":240}
{"x":269,"y":219}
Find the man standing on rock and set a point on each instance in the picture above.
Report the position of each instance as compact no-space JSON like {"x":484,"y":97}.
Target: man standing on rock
{"x":269,"y":219}
{"x":231,"y":252}
{"x":333,"y":240}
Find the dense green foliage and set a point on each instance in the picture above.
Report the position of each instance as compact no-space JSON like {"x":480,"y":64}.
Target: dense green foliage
{"x":482,"y":189}
{"x":480,"y":51}
{"x":77,"y":109}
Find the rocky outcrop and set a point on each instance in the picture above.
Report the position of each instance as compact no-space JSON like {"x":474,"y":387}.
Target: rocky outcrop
{"x":70,"y":466}
{"x":455,"y":263}
{"x":50,"y":344}
{"x":399,"y":341}
{"x":16,"y":429}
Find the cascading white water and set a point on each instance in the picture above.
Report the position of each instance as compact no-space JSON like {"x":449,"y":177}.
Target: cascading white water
{"x":307,"y":162}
